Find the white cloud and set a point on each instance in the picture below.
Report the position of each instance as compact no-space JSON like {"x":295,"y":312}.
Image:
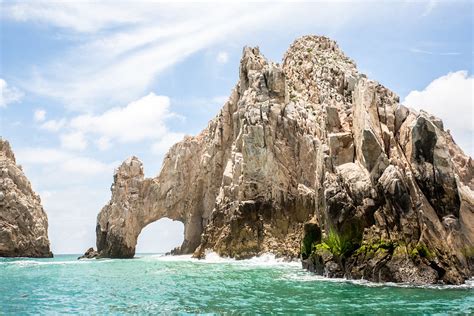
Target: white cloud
{"x":139,"y":120}
{"x":8,"y":94}
{"x":73,"y":141}
{"x":53,"y":125}
{"x":143,"y":119}
{"x":164,"y":144}
{"x":222,"y":57}
{"x":39,"y":115}
{"x":64,"y":162}
{"x":450,"y":97}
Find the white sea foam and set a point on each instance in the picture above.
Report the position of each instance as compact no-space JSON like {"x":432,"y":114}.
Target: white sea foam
{"x":163,"y":257}
{"x":266,"y":259}
{"x":311,"y":277}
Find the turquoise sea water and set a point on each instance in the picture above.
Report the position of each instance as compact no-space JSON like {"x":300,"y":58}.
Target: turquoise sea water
{"x":152,"y":284}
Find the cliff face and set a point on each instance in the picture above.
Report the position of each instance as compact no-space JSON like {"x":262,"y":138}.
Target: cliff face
{"x":23,"y":222}
{"x":310,"y":158}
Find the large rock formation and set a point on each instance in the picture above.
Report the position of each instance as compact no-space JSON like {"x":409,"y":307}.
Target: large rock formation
{"x":23,"y":222}
{"x":310,"y":158}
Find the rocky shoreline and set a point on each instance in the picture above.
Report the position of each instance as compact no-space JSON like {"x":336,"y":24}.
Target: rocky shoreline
{"x":310,"y":158}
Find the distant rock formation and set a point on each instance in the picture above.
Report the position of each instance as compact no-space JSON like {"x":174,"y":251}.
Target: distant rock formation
{"x":23,"y":222}
{"x":311,"y":159}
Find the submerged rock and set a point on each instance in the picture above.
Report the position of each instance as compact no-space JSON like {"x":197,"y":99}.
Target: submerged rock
{"x":23,"y":222}
{"x":310,"y":158}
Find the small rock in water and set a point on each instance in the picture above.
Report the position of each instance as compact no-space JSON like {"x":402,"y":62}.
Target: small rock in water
{"x":89,"y":254}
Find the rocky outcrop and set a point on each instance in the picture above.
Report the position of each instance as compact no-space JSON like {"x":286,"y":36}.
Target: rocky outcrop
{"x":90,"y":253}
{"x":23,"y":222}
{"x":311,"y":159}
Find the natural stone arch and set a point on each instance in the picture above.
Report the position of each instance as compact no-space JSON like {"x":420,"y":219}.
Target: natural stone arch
{"x":177,"y":193}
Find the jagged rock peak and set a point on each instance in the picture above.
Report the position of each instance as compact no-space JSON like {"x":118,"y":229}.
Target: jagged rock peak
{"x":317,"y":68}
{"x":132,"y":167}
{"x":318,"y":50}
{"x":23,"y":222}
{"x":311,"y":159}
{"x":6,"y":151}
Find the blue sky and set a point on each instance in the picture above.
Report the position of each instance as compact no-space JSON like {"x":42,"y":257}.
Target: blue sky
{"x":85,"y":85}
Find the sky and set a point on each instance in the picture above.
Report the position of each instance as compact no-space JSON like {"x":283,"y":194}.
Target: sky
{"x":84,"y":85}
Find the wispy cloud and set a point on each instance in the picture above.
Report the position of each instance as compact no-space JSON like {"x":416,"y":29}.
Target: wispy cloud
{"x":127,"y":45}
{"x":427,"y":52}
{"x":118,"y":66}
{"x":80,"y":16}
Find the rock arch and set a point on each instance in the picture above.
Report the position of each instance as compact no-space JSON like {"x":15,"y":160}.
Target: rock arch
{"x":138,"y":201}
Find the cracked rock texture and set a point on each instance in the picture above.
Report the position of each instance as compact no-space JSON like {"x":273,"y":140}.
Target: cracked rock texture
{"x":23,"y":222}
{"x":310,"y":158}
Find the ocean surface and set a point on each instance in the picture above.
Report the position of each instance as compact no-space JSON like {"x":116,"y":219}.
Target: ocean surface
{"x":151,"y":284}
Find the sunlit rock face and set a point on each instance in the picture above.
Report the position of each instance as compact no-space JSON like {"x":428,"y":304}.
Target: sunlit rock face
{"x":23,"y":222}
{"x":310,"y":158}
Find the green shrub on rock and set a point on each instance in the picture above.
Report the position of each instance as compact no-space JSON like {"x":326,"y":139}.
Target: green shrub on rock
{"x":339,"y":245}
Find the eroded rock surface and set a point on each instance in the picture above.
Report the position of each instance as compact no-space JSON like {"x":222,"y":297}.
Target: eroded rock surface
{"x":311,"y":159}
{"x":23,"y":222}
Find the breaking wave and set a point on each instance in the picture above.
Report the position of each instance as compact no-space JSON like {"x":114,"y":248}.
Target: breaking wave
{"x":266,"y":259}
{"x":297,"y":273}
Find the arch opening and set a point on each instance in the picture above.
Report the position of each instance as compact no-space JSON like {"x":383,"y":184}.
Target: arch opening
{"x":160,"y":237}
